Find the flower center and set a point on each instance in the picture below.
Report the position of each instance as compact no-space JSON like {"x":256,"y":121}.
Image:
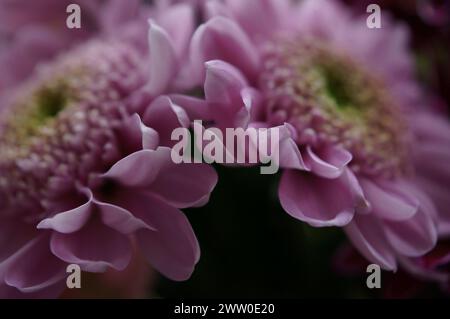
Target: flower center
{"x":60,"y":126}
{"x":331,"y":99}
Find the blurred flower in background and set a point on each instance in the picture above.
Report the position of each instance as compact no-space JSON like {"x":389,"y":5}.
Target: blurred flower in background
{"x":34,"y":31}
{"x":429,"y":21}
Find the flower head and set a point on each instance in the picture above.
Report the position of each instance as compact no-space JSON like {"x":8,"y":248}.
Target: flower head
{"x":317,"y":69}
{"x":86,"y":170}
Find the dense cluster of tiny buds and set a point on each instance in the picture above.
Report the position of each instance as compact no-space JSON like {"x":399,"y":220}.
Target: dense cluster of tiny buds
{"x":331,"y":99}
{"x":60,"y":126}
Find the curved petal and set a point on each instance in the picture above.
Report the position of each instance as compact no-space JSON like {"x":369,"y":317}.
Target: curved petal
{"x":13,"y":235}
{"x":224,"y":86}
{"x":164,"y":116}
{"x":413,"y":237}
{"x":178,"y":20}
{"x":163,"y":60}
{"x":195,"y":108}
{"x":95,"y":247}
{"x":50,"y":292}
{"x":185,"y":185}
{"x":390,"y":200}
{"x":253,"y":101}
{"x":318,"y":201}
{"x":34,"y":267}
{"x":172,"y":249}
{"x":328,"y":162}
{"x":432,"y":157}
{"x":368,"y":236}
{"x":72,"y":220}
{"x":223,"y":83}
{"x":221,"y":38}
{"x":290,"y":154}
{"x":134,"y":136}
{"x":139,"y":169}
{"x":120,"y":219}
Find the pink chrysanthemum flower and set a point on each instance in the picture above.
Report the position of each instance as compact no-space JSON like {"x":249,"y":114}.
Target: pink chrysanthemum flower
{"x":362,"y":141}
{"x":36,"y":31}
{"x":85,"y":166}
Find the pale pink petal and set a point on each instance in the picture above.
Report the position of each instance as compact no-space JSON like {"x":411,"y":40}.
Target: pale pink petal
{"x":197,"y":109}
{"x":22,"y":274}
{"x":185,"y":185}
{"x":413,"y":237}
{"x":178,"y":21}
{"x":319,"y":201}
{"x":163,"y":60}
{"x":164,"y":116}
{"x":367,"y":235}
{"x":290,"y":154}
{"x":390,"y":200}
{"x":134,"y":136}
{"x":120,"y":219}
{"x":328,"y":161}
{"x":72,"y":220}
{"x":223,"y":83}
{"x":139,"y":169}
{"x":50,"y":292}
{"x":224,"y":86}
{"x":223,"y":39}
{"x":173,"y":249}
{"x":95,"y":247}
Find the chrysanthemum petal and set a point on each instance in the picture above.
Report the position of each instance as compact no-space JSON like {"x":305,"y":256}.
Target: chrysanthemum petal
{"x":164,"y":116}
{"x":185,"y":185}
{"x":223,"y":39}
{"x":390,"y":200}
{"x":140,"y":168}
{"x":328,"y":161}
{"x":163,"y":60}
{"x":94,"y":247}
{"x":368,"y":236}
{"x":72,"y":220}
{"x":21,"y":275}
{"x":172,"y":249}
{"x":319,"y":201}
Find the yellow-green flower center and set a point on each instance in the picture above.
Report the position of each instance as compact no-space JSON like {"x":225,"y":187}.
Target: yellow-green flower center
{"x":60,"y":126}
{"x":331,"y":99}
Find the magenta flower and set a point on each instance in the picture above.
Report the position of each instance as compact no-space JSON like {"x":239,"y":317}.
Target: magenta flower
{"x":364,"y":152}
{"x":37,"y":31}
{"x":85,"y":166}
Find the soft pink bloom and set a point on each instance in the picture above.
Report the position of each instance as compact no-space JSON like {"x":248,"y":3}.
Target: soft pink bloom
{"x":85,"y":166}
{"x":363,"y":151}
{"x":35,"y":31}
